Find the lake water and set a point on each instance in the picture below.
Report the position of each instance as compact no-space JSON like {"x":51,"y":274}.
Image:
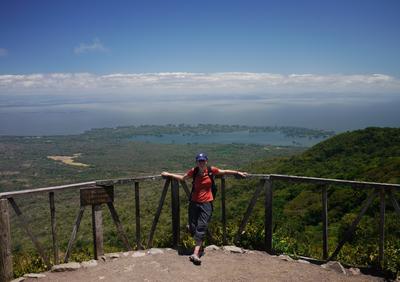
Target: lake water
{"x":53,"y":115}
{"x":244,"y":137}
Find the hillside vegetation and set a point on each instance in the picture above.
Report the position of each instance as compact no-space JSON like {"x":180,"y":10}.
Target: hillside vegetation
{"x":372,"y":154}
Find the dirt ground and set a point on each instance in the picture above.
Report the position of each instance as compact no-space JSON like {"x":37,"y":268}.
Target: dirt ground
{"x":217,"y":265}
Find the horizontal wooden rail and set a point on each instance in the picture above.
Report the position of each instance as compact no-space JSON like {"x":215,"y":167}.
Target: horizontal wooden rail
{"x":132,"y":180}
{"x":122,"y":181}
{"x":316,"y":180}
{"x":46,"y":189}
{"x":106,"y":182}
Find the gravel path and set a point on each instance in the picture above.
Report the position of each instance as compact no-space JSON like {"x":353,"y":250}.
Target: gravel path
{"x":217,"y":265}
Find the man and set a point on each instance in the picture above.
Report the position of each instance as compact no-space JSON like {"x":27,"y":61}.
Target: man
{"x":200,"y":206}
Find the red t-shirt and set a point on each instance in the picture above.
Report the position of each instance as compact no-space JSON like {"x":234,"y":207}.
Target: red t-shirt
{"x":202,"y":185}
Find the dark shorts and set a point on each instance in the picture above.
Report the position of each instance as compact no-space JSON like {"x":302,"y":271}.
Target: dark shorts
{"x":199,"y":217}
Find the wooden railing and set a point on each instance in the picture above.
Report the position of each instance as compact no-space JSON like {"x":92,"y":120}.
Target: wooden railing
{"x":98,"y":193}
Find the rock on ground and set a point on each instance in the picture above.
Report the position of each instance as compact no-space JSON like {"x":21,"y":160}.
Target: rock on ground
{"x":216,"y":266}
{"x":113,"y":255}
{"x":233,"y":249}
{"x":285,"y":257}
{"x":34,"y":275}
{"x":138,"y":254}
{"x":335,"y":266}
{"x":20,"y":279}
{"x":71,"y":266}
{"x":155,"y":251}
{"x":354,"y":271}
{"x":211,"y":248}
{"x":90,"y":263}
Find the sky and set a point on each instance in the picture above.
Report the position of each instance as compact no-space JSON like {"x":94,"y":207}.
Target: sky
{"x":252,"y":56}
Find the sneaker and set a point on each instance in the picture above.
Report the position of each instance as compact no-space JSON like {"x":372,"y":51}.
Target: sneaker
{"x":195,"y":259}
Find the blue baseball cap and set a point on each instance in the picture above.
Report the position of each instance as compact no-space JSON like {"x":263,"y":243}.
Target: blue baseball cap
{"x":201,"y":157}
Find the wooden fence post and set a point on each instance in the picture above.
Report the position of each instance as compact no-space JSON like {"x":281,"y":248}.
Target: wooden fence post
{"x":158,"y":212}
{"x":324,"y":223}
{"x":382,"y":228}
{"x":74,"y":232}
{"x":223,"y":212}
{"x":175,"y":212}
{"x":268,"y":215}
{"x":24,"y":224}
{"x":120,"y":230}
{"x":97,"y":225}
{"x":137,"y":216}
{"x":249,"y":210}
{"x":6,"y":267}
{"x":349,"y":233}
{"x":54,"y":228}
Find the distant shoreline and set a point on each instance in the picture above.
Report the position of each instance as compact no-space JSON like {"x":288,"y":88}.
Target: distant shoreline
{"x":189,"y":129}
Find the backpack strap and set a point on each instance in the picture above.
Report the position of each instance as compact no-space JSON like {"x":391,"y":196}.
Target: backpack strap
{"x":195,"y":173}
{"x":210,"y":174}
{"x":212,"y":177}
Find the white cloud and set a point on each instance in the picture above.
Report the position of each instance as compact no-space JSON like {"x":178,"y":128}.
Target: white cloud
{"x":189,"y":86}
{"x":3,"y":52}
{"x":95,"y":46}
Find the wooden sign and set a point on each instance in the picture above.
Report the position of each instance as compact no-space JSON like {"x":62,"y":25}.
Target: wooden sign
{"x":97,"y":195}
